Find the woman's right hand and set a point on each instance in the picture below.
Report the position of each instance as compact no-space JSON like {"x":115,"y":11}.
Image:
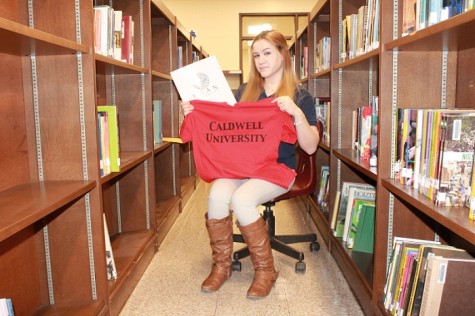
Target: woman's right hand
{"x":186,"y":107}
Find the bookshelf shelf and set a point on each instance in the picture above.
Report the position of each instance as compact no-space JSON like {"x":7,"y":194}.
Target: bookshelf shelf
{"x":323,"y":74}
{"x":352,"y":159}
{"x":19,"y":39}
{"x":108,"y":66}
{"x":360,"y":62}
{"x":451,"y":34}
{"x":453,"y":218}
{"x":161,"y":146}
{"x":161,"y":76}
{"x":128,"y":160}
{"x":44,"y":198}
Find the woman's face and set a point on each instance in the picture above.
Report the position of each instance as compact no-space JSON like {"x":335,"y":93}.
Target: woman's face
{"x":267,"y":59}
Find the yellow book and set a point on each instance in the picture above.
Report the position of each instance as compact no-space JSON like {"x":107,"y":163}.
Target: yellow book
{"x":172,"y":140}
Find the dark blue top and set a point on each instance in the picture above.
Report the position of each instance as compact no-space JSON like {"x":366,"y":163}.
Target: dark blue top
{"x":306,"y":102}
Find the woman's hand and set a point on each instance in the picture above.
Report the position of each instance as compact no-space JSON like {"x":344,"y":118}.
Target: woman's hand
{"x":186,"y":107}
{"x":286,"y":104}
{"x":307,"y":136}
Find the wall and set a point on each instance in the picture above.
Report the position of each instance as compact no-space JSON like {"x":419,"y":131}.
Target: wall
{"x":216,"y":22}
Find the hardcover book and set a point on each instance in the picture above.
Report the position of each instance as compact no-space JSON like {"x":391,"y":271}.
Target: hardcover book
{"x":456,"y":158}
{"x":447,"y":290}
{"x":364,"y":235}
{"x":203,"y":80}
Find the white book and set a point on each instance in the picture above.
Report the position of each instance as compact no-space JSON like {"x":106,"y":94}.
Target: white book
{"x":111,"y":269}
{"x":203,"y":80}
{"x":118,"y":35}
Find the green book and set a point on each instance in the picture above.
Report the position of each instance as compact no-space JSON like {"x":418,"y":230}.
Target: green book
{"x":113,"y":135}
{"x":364,"y":236}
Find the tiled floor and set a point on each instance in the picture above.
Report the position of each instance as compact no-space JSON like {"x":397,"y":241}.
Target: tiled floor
{"x":171,"y":284}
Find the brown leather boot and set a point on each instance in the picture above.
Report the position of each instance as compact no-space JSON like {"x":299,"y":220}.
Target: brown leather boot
{"x":220,"y":233}
{"x":257,"y":239}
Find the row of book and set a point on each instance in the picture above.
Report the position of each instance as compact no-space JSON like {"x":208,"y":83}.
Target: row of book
{"x":109,"y":138}
{"x":6,"y":307}
{"x":113,"y":33}
{"x":419,"y":14}
{"x":360,"y":31}
{"x":365,"y":131}
{"x":323,"y":111}
{"x":353,"y":216}
{"x":108,"y":134}
{"x":322,"y":54}
{"x":435,"y":153}
{"x":427,"y":278}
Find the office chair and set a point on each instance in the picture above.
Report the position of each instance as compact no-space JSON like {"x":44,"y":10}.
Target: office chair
{"x":305,"y":184}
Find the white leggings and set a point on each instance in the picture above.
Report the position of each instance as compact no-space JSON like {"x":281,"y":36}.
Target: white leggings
{"x":242,"y":196}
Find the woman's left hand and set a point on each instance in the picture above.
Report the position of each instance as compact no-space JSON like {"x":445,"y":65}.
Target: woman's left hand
{"x":286,"y":104}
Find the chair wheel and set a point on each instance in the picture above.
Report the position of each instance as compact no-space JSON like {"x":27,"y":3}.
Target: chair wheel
{"x":300,"y":266}
{"x":314,"y":246}
{"x":236,"y":266}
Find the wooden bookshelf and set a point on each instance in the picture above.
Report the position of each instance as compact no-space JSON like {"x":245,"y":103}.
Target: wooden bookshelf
{"x":318,"y":84}
{"x":50,"y":197}
{"x":429,"y":68}
{"x":51,"y":191}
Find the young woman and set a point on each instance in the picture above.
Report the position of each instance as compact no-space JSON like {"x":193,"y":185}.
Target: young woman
{"x":271,"y":75}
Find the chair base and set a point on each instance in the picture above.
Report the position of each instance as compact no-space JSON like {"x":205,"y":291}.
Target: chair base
{"x":277,"y":242}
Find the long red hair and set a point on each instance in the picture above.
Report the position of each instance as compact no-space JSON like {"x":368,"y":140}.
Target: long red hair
{"x":289,"y":82}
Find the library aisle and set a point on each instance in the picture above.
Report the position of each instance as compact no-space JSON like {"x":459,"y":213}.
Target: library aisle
{"x":171,"y":284}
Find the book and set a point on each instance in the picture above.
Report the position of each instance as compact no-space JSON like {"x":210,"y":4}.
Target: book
{"x":157,"y":121}
{"x":356,"y":194}
{"x":471,"y":212}
{"x":417,"y":149}
{"x":417,"y":287}
{"x":457,"y":147}
{"x":408,"y":254}
{"x":172,"y":140}
{"x":364,"y":235}
{"x":358,"y":206}
{"x":323,"y":187}
{"x":118,"y":27}
{"x":6,"y":307}
{"x":103,"y":143}
{"x":104,"y":30}
{"x":374,"y":127}
{"x":335,"y":210}
{"x":365,"y":129}
{"x":408,"y":17}
{"x":203,"y":80}
{"x":447,"y":290}
{"x":112,"y":144}
{"x":110,"y":262}
{"x":127,"y":39}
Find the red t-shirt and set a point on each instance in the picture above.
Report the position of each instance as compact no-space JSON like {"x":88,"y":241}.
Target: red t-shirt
{"x":239,"y":141}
